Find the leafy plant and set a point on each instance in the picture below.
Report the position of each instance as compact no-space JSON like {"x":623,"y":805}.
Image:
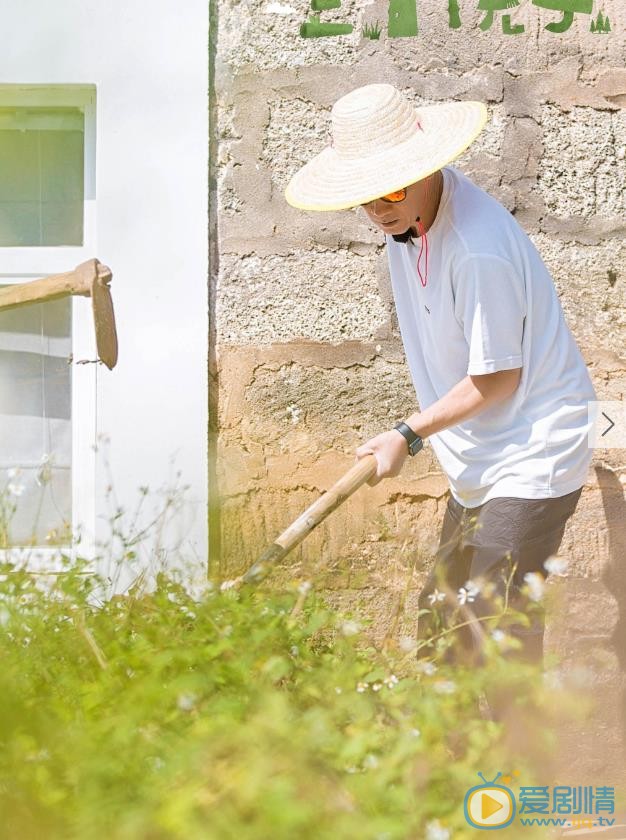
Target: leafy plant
{"x":372,"y":31}
{"x":165,"y":712}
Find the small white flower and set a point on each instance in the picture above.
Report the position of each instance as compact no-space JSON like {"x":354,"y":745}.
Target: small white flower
{"x":436,"y":595}
{"x":350,"y":628}
{"x":535,"y":584}
{"x":186,"y":702}
{"x":444,"y":686}
{"x":391,"y":680}
{"x":370,"y":761}
{"x":304,"y":587}
{"x":436,"y":831}
{"x":16,"y":489}
{"x":468,"y":593}
{"x":427,"y":668}
{"x":337,"y":690}
{"x":407,"y":643}
{"x":377,"y":686}
{"x":361,"y":687}
{"x":556,"y":565}
{"x":502,"y":639}
{"x":473,"y":588}
{"x":415,"y":733}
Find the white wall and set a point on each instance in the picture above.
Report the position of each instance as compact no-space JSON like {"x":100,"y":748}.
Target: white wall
{"x":149,"y":62}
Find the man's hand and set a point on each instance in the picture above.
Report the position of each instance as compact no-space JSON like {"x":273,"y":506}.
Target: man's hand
{"x":390,"y":449}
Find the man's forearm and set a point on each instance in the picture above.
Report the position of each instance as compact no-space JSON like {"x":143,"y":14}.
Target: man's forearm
{"x":466,"y":399}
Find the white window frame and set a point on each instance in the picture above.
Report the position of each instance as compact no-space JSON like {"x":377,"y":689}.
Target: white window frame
{"x":21,"y":264}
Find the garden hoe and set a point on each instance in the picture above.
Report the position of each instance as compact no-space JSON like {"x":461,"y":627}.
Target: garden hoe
{"x":90,"y":279}
{"x":311,"y":518}
{"x":307,"y":521}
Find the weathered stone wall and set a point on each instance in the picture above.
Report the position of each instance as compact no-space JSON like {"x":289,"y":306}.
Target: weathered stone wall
{"x":307,"y":357}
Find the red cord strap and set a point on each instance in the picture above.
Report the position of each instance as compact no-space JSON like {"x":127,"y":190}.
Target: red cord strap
{"x":423,"y":241}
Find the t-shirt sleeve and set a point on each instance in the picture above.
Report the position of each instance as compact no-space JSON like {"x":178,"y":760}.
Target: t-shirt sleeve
{"x":490,"y":306}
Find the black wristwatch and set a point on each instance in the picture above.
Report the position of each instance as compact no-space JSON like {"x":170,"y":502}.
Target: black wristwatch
{"x":414,"y":441}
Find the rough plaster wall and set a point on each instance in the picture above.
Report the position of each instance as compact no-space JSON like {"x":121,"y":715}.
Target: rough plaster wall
{"x":309,"y":357}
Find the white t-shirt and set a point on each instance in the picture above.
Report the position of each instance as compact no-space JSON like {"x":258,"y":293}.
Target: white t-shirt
{"x":490,"y":304}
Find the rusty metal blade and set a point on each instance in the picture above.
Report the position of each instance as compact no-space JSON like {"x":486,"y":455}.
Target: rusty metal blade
{"x":104,"y":317}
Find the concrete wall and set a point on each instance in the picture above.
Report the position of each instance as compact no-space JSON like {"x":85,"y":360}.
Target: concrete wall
{"x":307,"y":357}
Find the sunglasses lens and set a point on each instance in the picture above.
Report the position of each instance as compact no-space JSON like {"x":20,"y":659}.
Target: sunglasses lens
{"x":393,"y":197}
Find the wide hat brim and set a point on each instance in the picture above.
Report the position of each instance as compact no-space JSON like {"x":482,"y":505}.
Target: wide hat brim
{"x":332,"y":182}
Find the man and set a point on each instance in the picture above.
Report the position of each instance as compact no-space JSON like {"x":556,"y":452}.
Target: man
{"x":502,"y":387}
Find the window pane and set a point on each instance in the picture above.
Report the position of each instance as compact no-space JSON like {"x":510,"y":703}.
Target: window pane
{"x":41,"y":176}
{"x":35,"y":424}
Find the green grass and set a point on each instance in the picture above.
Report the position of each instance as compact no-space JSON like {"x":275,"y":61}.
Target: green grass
{"x":372,"y":31}
{"x":161,"y":713}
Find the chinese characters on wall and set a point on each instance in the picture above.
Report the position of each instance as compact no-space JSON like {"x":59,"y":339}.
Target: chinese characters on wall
{"x":402,"y":18}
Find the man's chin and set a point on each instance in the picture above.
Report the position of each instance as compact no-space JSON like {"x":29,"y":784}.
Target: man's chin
{"x":393,"y":228}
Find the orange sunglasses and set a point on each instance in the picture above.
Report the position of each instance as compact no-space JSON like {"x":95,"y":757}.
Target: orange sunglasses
{"x":391,"y":198}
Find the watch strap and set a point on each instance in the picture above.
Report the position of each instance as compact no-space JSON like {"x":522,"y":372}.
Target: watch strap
{"x":414,"y":441}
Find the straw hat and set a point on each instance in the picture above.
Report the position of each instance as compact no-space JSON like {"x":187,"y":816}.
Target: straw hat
{"x":380,"y":143}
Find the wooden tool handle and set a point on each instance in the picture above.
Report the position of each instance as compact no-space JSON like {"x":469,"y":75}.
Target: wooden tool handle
{"x":328,"y":502}
{"x":307,"y":521}
{"x":76,"y":282}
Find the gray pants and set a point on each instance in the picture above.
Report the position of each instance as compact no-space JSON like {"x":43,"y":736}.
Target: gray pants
{"x":486,"y":542}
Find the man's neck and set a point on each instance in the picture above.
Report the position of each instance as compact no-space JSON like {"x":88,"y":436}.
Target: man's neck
{"x":428,"y":213}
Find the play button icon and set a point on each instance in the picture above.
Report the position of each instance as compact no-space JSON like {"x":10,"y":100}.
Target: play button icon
{"x":489,"y":806}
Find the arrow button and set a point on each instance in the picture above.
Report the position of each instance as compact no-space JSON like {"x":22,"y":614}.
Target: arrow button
{"x":610,"y":421}
{"x":607,"y":424}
